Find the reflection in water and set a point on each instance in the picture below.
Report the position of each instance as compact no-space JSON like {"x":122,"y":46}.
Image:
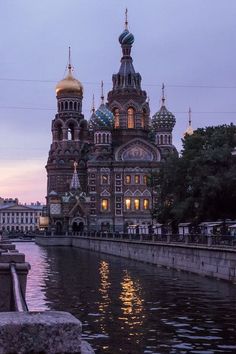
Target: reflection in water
{"x":132,"y":303}
{"x":130,"y":307}
{"x":105,"y":299}
{"x":104,"y":287}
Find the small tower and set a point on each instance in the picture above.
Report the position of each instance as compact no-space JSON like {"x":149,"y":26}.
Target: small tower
{"x":69,"y":133}
{"x":75,"y":183}
{"x":189,"y":130}
{"x":163,"y":123}
{"x":103,"y":124}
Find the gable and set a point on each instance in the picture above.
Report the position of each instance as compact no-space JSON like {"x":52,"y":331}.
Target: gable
{"x":137,"y":150}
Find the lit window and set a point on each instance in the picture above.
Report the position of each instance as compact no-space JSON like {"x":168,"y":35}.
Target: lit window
{"x":145,"y":204}
{"x":127,"y":203}
{"x":104,"y":204}
{"x":128,"y":179}
{"x":137,"y":179}
{"x":136,"y":204}
{"x":104,"y":179}
{"x":117,"y":118}
{"x":145,"y":179}
{"x":130,"y":118}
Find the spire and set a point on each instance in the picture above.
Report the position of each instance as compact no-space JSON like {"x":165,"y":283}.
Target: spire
{"x":190,"y":117}
{"x":93,"y":104}
{"x":163,"y":94}
{"x":102,"y":93}
{"x":75,"y":183}
{"x":69,"y":62}
{"x":189,"y":130}
{"x":126,"y":19}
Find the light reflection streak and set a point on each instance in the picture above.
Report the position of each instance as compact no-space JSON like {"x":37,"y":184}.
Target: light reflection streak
{"x":132,"y":304}
{"x":104,"y":291}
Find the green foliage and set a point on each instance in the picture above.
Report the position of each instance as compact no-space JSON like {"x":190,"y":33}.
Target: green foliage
{"x":201,"y":184}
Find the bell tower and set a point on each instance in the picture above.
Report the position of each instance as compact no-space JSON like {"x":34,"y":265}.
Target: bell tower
{"x":127,"y":101}
{"x":69,"y":133}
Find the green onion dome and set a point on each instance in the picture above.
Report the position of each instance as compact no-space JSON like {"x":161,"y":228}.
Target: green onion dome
{"x":103,"y":118}
{"x":126,"y":38}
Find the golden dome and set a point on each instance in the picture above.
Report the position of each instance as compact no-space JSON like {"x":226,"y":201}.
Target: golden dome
{"x":189,"y":131}
{"x":69,"y":83}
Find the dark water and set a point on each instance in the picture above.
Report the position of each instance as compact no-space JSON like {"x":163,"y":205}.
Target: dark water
{"x":131,"y":307}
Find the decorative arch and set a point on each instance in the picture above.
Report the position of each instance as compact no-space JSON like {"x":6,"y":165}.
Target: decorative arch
{"x":137,"y":193}
{"x":58,"y":128}
{"x":137,"y":150}
{"x":132,"y":104}
{"x":146,"y":193}
{"x":116,"y":104}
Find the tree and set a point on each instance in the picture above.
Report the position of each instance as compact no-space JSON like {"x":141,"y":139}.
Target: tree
{"x":201,"y":183}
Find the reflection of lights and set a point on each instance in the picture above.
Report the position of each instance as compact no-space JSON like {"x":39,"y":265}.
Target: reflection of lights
{"x":132,"y":303}
{"x":105,"y":285}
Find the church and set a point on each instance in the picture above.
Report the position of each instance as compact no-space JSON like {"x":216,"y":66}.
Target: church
{"x":98,"y":168}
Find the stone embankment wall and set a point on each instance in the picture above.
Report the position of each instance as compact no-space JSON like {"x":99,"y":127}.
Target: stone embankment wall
{"x":211,"y":261}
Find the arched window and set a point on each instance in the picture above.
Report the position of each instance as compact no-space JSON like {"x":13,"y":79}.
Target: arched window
{"x":165,"y":139}
{"x":75,"y":106}
{"x":161,"y":139}
{"x":169,"y":139}
{"x":66,"y":105}
{"x":71,"y":105}
{"x":117,"y":118}
{"x":62,"y":106}
{"x":131,"y":115}
{"x":71,"y":131}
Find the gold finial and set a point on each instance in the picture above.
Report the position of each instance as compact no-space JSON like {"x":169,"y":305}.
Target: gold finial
{"x":126,"y":18}
{"x":190,"y":117}
{"x":163,"y":94}
{"x":75,"y":166}
{"x":93,"y":104}
{"x":102,"y":93}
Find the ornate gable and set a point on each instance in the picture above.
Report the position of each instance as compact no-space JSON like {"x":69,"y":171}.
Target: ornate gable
{"x":137,"y":150}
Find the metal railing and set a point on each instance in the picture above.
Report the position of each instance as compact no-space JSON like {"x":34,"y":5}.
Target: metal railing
{"x":18,"y":298}
{"x":224,"y":241}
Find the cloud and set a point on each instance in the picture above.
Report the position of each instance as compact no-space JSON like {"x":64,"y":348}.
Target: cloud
{"x":23,"y":180}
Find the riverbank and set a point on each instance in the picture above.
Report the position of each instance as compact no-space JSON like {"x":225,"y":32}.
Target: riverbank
{"x":214,"y":261}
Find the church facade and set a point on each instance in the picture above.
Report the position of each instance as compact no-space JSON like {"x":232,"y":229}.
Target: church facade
{"x":98,"y":169}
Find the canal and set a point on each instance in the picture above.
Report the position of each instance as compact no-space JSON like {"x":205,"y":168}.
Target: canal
{"x":130,"y":307}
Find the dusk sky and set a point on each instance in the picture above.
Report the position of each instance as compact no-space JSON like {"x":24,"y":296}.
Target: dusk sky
{"x":190,"y":45}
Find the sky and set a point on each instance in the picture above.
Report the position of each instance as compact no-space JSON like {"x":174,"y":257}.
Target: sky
{"x":190,"y":45}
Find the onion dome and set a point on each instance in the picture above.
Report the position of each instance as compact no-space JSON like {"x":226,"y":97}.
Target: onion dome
{"x":163,"y":119}
{"x":126,"y":37}
{"x":69,"y":83}
{"x":104,"y":118}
